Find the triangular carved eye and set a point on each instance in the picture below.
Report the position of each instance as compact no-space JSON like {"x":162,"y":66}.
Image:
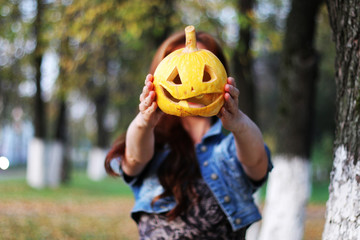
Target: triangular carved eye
{"x":208,"y":73}
{"x":174,"y":77}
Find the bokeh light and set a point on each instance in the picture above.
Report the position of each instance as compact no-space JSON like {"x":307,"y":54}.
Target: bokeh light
{"x":4,"y":163}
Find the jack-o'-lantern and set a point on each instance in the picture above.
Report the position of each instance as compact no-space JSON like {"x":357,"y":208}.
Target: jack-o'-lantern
{"x":190,"y":81}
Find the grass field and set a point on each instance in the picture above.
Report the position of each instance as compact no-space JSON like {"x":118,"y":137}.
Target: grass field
{"x":84,"y":209}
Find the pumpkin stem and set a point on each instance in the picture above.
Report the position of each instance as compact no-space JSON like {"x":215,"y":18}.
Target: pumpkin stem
{"x":190,"y":45}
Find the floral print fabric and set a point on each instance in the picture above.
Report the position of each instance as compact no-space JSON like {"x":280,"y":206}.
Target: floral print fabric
{"x":204,"y":220}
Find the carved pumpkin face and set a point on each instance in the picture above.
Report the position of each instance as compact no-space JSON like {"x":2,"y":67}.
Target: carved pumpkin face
{"x":189,"y":81}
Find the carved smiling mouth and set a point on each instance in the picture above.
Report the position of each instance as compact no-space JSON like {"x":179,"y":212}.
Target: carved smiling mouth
{"x":199,"y":101}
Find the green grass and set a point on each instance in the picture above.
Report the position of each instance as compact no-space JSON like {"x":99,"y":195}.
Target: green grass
{"x":319,"y":193}
{"x":79,"y":187}
{"x":80,"y":210}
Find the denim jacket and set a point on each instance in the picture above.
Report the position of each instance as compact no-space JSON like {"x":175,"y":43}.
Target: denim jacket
{"x":220,"y":169}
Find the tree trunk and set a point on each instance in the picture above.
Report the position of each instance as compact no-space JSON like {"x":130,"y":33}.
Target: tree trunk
{"x":61,"y":137}
{"x":37,"y":162}
{"x":39,"y":106}
{"x":101,"y":103}
{"x":288,"y":190}
{"x":289,"y":183}
{"x":343,"y":206}
{"x":242,"y":61}
{"x":62,"y":125}
{"x":101,"y":97}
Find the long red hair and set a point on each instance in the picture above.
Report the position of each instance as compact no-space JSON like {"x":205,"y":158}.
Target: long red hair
{"x":179,"y":171}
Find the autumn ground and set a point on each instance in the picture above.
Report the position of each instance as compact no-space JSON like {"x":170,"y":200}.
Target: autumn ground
{"x":85,"y":210}
{"x":88,"y":219}
{"x":315,"y":220}
{"x":94,"y":219}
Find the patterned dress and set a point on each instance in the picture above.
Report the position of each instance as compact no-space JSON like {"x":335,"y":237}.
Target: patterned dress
{"x":203,"y":221}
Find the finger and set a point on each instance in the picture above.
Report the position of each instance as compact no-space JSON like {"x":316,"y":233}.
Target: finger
{"x":142,"y":107}
{"x":150,"y":85}
{"x":152,"y":107}
{"x":146,"y":101}
{"x":227,"y":97}
{"x":232,"y":90}
{"x":149,"y":99}
{"x":231,"y":104}
{"x":224,"y":113}
{"x":144,"y":94}
{"x":149,"y":78}
{"x":231,"y":81}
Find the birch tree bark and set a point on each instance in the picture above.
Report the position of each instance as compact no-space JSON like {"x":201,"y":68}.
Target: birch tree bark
{"x":343,"y":206}
{"x":289,"y":182}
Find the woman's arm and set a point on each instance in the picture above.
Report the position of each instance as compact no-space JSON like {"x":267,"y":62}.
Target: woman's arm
{"x":250,"y":148}
{"x":140,"y":137}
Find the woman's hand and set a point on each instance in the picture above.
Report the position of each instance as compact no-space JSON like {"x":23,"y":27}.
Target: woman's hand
{"x":230,"y":114}
{"x":140,"y":138}
{"x":148,"y":106}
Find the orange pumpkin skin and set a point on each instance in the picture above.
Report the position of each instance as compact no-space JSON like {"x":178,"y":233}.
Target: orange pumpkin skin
{"x":189,"y":81}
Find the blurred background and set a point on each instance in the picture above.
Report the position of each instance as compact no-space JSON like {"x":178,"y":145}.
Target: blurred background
{"x":70,"y":77}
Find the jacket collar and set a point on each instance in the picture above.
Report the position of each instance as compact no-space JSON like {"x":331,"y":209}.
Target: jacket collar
{"x":215,"y":130}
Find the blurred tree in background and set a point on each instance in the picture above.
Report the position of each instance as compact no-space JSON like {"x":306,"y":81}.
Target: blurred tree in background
{"x":289,"y":186}
{"x":38,"y":31}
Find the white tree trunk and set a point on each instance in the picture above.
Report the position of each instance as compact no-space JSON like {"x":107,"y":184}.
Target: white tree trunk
{"x":55,"y":156}
{"x":44,"y":163}
{"x":95,"y":168}
{"x":35,"y":168}
{"x":288,"y":190}
{"x":343,"y":206}
{"x":253,"y":231}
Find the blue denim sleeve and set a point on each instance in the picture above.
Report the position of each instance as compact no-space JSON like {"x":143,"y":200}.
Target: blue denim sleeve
{"x":254,"y":185}
{"x":115,"y":165}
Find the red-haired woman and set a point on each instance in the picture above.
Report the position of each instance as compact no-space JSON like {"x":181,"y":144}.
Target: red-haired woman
{"x":191,"y":181}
